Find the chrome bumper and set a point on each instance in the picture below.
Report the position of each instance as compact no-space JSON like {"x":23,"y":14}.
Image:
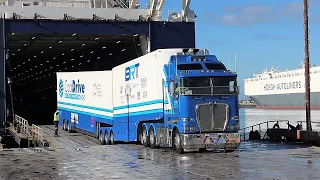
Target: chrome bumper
{"x":228,"y":141}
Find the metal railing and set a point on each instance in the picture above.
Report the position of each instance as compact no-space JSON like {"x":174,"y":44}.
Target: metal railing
{"x":261,"y":128}
{"x":209,"y":90}
{"x":316,"y":123}
{"x":37,"y":133}
{"x":22,"y":125}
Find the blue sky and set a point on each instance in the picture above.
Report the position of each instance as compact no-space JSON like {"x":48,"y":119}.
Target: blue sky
{"x":263,"y":33}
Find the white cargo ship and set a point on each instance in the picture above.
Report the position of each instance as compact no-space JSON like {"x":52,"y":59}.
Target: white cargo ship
{"x":276,"y":89}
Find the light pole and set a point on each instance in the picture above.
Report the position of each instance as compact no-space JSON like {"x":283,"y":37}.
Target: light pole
{"x":306,"y":65}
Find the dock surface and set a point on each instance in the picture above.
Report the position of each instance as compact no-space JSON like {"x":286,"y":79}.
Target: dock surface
{"x":89,"y":160}
{"x":66,"y":139}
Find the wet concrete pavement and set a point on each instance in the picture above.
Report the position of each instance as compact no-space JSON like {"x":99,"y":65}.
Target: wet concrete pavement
{"x":81,"y":157}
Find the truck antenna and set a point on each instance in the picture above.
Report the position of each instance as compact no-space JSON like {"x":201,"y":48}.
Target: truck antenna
{"x":235,"y":62}
{"x":229,"y":63}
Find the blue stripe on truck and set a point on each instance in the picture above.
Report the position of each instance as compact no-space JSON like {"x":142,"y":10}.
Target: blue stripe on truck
{"x":116,"y":108}
{"x":87,"y":113}
{"x":139,"y":104}
{"x":88,"y":107}
{"x":151,"y":111}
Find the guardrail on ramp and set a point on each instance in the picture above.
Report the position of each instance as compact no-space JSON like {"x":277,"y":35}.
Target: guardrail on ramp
{"x":24,"y":134}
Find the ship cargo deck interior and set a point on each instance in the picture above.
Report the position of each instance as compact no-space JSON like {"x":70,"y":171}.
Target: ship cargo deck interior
{"x":39,"y":49}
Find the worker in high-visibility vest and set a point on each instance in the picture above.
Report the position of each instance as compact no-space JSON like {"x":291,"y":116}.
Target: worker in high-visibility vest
{"x":56,"y":119}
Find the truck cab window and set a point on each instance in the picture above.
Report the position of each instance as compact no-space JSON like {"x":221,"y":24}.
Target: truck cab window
{"x":208,"y":86}
{"x":196,"y":66}
{"x":213,"y":66}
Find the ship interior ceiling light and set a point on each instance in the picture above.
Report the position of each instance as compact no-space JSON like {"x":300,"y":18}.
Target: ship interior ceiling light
{"x":34,"y":60}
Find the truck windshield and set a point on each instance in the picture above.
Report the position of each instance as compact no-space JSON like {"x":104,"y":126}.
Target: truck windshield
{"x":208,"y":86}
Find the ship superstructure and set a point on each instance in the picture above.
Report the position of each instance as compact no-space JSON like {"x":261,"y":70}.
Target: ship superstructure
{"x":283,"y":89}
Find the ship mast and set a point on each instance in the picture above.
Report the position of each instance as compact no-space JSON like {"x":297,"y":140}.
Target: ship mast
{"x":306,"y":65}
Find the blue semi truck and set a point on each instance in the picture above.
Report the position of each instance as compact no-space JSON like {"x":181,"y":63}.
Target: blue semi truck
{"x":179,"y":98}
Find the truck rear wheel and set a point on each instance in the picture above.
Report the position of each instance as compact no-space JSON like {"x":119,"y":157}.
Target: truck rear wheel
{"x":144,"y":138}
{"x":177,"y":142}
{"x":152,"y":138}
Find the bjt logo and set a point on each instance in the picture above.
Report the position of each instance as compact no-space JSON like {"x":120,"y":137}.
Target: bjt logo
{"x":131,"y":72}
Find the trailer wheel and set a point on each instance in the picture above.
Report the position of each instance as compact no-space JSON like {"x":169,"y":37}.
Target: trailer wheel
{"x":69,"y":127}
{"x":111,"y":138}
{"x":152,"y":138}
{"x":101,"y":138}
{"x":177,"y":142}
{"x":64,"y":126}
{"x":106,"y":138}
{"x":145,"y":139}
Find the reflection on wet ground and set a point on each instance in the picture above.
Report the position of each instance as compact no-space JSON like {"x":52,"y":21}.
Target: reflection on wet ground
{"x":252,"y":161}
{"x":89,"y":160}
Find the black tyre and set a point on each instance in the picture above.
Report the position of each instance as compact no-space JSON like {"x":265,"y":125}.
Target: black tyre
{"x":101,"y":138}
{"x":64,"y":125}
{"x":69,"y":127}
{"x":106,"y":138}
{"x":145,"y":137}
{"x":152,"y":138}
{"x":111,"y":138}
{"x":177,"y":146}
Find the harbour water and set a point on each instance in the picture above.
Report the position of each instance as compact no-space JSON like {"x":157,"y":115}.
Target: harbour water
{"x":252,"y":116}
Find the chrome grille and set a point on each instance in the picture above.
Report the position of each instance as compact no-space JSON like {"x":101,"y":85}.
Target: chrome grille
{"x":212,"y":116}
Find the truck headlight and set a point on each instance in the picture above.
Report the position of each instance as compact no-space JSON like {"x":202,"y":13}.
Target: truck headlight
{"x":187,"y":119}
{"x":233,"y":127}
{"x":235,"y":118}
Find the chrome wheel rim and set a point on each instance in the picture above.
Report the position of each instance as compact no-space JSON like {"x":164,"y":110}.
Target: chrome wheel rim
{"x":177,"y":140}
{"x":144,"y":136}
{"x":151,"y":137}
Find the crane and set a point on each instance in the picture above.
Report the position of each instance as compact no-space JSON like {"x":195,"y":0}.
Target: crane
{"x":156,"y":7}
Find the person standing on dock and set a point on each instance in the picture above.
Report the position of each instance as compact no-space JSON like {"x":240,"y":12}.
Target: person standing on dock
{"x":56,"y":119}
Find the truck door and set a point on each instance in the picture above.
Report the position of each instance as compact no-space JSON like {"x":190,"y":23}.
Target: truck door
{"x":174,"y":99}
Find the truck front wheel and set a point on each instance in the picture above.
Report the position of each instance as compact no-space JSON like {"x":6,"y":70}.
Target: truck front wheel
{"x":177,"y":142}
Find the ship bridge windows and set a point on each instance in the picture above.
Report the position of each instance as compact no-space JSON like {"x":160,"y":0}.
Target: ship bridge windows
{"x":194,"y":66}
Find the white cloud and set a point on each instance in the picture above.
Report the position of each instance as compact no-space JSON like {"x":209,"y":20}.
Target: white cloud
{"x":258,"y":14}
